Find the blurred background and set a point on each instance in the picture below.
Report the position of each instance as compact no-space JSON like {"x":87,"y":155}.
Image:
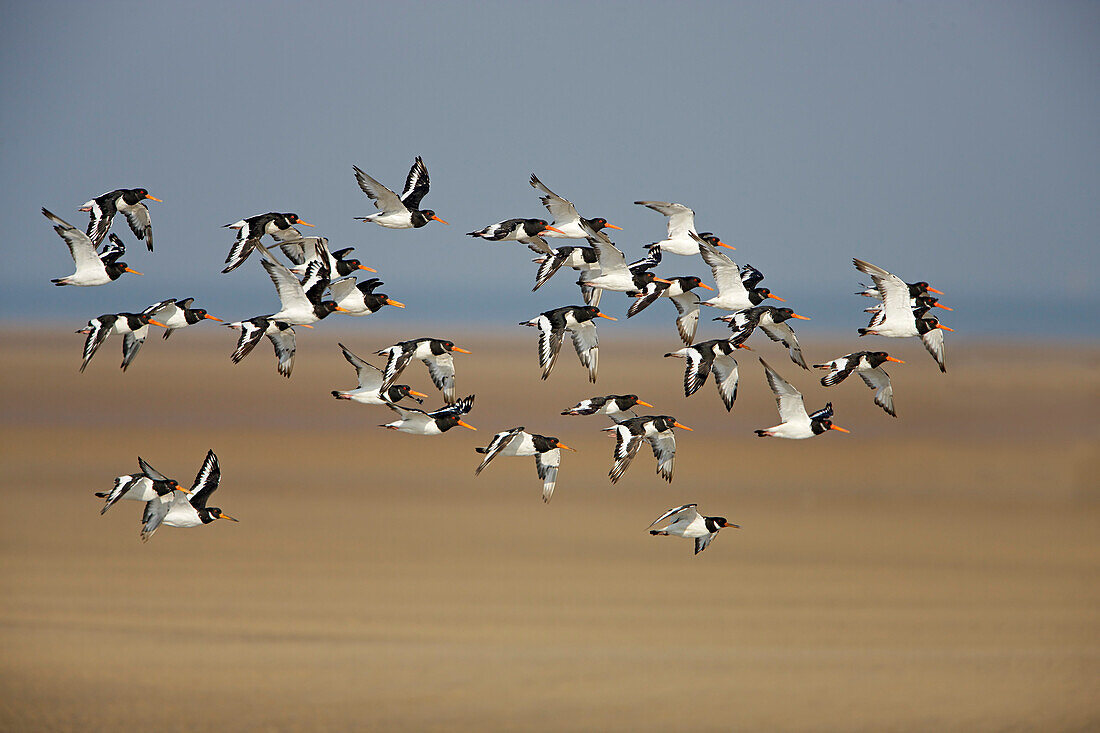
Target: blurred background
{"x":936,"y":571}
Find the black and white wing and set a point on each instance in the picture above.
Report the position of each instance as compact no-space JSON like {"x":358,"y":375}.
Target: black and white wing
{"x":101,"y":214}
{"x":687,"y":320}
{"x":696,"y":370}
{"x":411,"y":416}
{"x":290,"y":291}
{"x":724,"y":270}
{"x":81,"y":247}
{"x":742,"y":324}
{"x":416,"y":184}
{"x":664,"y":450}
{"x":550,"y":340}
{"x":789,"y":399}
{"x":131,"y":342}
{"x":933,"y":342}
{"x":441,"y":368}
{"x":122,"y":485}
{"x":701,"y":543}
{"x":113,"y":250}
{"x":893,"y":291}
{"x":587,"y":344}
{"x":725,"y":379}
{"x":251,"y":333}
{"x":611,"y":258}
{"x":824,"y":413}
{"x":562,"y":211}
{"x":750,"y":276}
{"x":784,"y":334}
{"x":649,"y":296}
{"x":385,"y":199}
{"x":399,"y":358}
{"x":239,"y":252}
{"x":550,"y":264}
{"x":137,"y":216}
{"x":459,"y":407}
{"x":285,"y":345}
{"x":626,"y":447}
{"x":686,"y":514}
{"x":316,"y":280}
{"x":499,"y":442}
{"x":165,"y":308}
{"x":150,"y":472}
{"x":99,"y":333}
{"x":840,"y":369}
{"x":370,"y":376}
{"x":878,"y":380}
{"x":681,"y":219}
{"x":206,"y":481}
{"x":547,"y":466}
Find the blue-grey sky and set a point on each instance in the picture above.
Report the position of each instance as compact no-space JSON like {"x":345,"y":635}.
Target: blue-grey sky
{"x":955,"y":142}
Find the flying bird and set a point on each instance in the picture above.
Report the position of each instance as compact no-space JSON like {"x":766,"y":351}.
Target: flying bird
{"x":434,"y":353}
{"x":518,"y":442}
{"x":134,"y":328}
{"x":309,"y":249}
{"x":102,"y":210}
{"x":868,"y":364}
{"x":280,"y":333}
{"x":567,"y":222}
{"x":796,"y":425}
{"x":687,"y":522}
{"x":280,"y":226}
{"x":91,"y":268}
{"x":706,"y":357}
{"x":145,"y":486}
{"x":773,"y":322}
{"x":678,"y":291}
{"x":177,"y":313}
{"x":577,"y":319}
{"x":524,"y":231}
{"x":657,"y":429}
{"x":681,"y":227}
{"x":189,"y":510}
{"x":736,"y":286}
{"x":301,"y":301}
{"x":897,"y":319}
{"x":359,"y":298}
{"x":369,"y":391}
{"x":618,"y":407}
{"x":419,"y":422}
{"x":399,"y":212}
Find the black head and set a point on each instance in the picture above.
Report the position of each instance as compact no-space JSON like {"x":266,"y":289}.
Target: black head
{"x":375,"y":301}
{"x":291,"y":219}
{"x":689,"y":282}
{"x":400,"y":391}
{"x":325,"y":308}
{"x":716,"y":523}
{"x":210,"y":513}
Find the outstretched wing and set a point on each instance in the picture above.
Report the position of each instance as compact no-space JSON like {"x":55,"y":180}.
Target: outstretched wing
{"x":290,"y":291}
{"x":547,"y":466}
{"x":442,"y":371}
{"x":155,"y":512}
{"x":784,"y":334}
{"x":385,"y":199}
{"x":933,"y":342}
{"x":687,"y":320}
{"x":499,"y":442}
{"x":891,"y":289}
{"x":137,"y":216}
{"x":285,"y":346}
{"x":96,"y":337}
{"x":399,"y":358}
{"x":206,"y":481}
{"x":131,"y":342}
{"x":81,"y":247}
{"x":561,"y":210}
{"x":370,"y":376}
{"x":701,"y":543}
{"x":626,"y":447}
{"x":686,"y":513}
{"x":725,"y":378}
{"x":550,"y":339}
{"x":251,"y":333}
{"x":681,"y":219}
{"x":878,"y":380}
{"x":587,"y":344}
{"x":416,"y":184}
{"x":664,"y":450}
{"x":789,"y":399}
{"x":550,"y":264}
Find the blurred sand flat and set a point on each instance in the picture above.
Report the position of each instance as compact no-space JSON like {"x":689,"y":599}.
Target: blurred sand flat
{"x":374,"y":583}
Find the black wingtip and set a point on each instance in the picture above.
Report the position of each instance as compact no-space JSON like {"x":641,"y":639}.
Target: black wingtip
{"x":761,"y":433}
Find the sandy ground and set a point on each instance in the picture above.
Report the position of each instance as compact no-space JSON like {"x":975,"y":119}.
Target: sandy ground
{"x":934,"y":572}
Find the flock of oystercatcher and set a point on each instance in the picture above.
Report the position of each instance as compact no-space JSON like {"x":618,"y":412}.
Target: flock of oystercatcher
{"x":316,"y":271}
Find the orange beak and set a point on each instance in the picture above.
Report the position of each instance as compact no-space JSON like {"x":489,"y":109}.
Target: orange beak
{"x":223,"y":515}
{"x":776,"y":297}
{"x":156,"y":323}
{"x":743,"y":346}
{"x":945,"y":328}
{"x":461,"y":350}
{"x":304,"y":223}
{"x":612,"y":226}
{"x":466,"y":425}
{"x":601,"y":315}
{"x":837,"y":427}
{"x":134,"y":271}
{"x":563,"y":445}
{"x":937,"y":292}
{"x":937,"y":305}
{"x":896,"y":361}
{"x":723,"y":244}
{"x":441,"y":222}
{"x":305,"y":325}
{"x":368,"y":269}
{"x":645,"y":404}
{"x":213,"y":318}
{"x":177,"y":487}
{"x":802,"y":318}
{"x":394,"y":303}
{"x":662,"y":280}
{"x":154,"y":198}
{"x":553,"y":229}
{"x":684,"y":427}
{"x":417,"y":394}
{"x":341,"y":309}
{"x":704,"y":286}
